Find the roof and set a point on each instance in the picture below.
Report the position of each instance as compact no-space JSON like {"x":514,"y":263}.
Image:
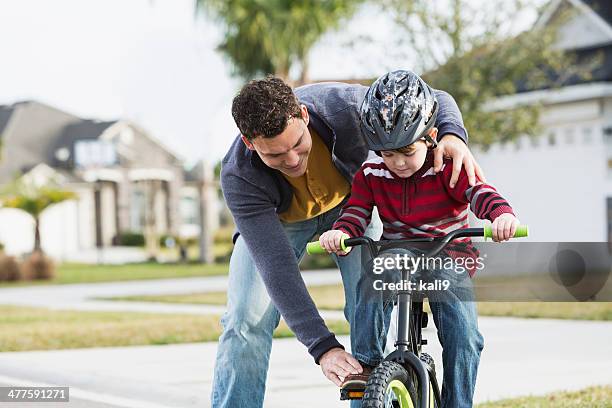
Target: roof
{"x":603,"y":8}
{"x":36,"y":132}
{"x":5,"y":115}
{"x":201,"y":172}
{"x":193,"y":174}
{"x":83,"y":130}
{"x":601,"y":72}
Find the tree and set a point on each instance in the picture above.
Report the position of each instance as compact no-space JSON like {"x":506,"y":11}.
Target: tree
{"x":475,"y":51}
{"x":26,"y":196}
{"x":272,"y":36}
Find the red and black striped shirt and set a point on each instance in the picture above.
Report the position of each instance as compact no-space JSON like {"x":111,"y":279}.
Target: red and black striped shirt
{"x":422,"y":205}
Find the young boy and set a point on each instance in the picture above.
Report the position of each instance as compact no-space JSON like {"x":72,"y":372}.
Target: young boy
{"x":397,"y":119}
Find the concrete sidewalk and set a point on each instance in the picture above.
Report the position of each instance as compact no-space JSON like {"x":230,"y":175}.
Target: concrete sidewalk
{"x":521,"y":357}
{"x":85,"y":296}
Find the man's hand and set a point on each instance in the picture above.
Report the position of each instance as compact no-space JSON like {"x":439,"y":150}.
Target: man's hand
{"x":336,"y":364}
{"x":504,"y":227}
{"x":455,"y":148}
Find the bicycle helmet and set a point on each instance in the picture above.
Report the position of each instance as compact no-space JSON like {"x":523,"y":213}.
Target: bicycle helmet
{"x":398,"y":109}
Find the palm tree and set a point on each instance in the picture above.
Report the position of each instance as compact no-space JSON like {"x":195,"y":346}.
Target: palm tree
{"x":26,"y":196}
{"x":270,"y":36}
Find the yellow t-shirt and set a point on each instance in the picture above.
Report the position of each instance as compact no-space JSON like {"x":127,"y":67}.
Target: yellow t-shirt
{"x":319,"y":189}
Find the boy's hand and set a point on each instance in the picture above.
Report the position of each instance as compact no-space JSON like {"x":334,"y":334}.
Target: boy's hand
{"x":332,"y":241}
{"x":504,"y":227}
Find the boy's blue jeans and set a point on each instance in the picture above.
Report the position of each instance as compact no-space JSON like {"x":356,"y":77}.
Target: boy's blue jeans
{"x":244,"y":346}
{"x":455,"y":317}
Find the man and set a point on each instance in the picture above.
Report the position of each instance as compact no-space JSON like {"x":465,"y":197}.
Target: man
{"x":285,"y":179}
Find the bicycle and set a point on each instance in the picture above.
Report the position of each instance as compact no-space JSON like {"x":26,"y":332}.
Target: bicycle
{"x":406,"y":378}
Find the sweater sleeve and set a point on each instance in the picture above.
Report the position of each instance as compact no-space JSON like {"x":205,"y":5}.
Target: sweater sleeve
{"x":276,"y":262}
{"x":449,"y":119}
{"x":357,"y":212}
{"x":484,"y":200}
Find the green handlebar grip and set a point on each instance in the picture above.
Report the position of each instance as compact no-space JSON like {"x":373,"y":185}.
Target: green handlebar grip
{"x":314,"y":248}
{"x":521,"y":231}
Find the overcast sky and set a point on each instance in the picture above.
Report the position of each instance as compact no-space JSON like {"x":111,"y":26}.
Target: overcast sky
{"x":152,"y":62}
{"x":148,"y":61}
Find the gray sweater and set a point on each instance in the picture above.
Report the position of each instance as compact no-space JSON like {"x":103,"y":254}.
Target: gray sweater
{"x":256,"y":194}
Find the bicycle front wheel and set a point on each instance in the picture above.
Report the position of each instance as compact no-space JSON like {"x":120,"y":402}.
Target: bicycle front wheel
{"x":389,"y":386}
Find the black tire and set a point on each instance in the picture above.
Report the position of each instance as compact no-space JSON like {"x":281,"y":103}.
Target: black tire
{"x":376,"y":392}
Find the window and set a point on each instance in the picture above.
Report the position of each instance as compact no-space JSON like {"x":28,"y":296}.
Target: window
{"x":189,"y":210}
{"x":587,"y":135}
{"x":94,"y":153}
{"x":137,"y":210}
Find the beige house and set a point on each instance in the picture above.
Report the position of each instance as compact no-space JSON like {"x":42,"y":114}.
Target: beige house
{"x":127,"y":182}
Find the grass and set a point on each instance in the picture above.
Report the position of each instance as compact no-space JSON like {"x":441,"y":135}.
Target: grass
{"x":551,"y":310}
{"x":24,"y":329}
{"x":331,"y":297}
{"x":327,"y":297}
{"x":79,"y":273}
{"x":592,"y":397}
{"x":221,"y":250}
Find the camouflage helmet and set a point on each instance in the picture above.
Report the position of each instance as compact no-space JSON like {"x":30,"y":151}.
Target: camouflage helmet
{"x":398,"y":109}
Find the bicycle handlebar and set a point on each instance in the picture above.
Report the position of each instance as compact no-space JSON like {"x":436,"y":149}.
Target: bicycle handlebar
{"x":486,"y":232}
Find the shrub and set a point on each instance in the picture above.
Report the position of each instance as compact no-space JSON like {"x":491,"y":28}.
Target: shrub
{"x":9,"y":269}
{"x":224,"y":235}
{"x":38,"y":266}
{"x":190,"y":241}
{"x":133,"y":239}
{"x":163,"y":238}
{"x":225,"y":258}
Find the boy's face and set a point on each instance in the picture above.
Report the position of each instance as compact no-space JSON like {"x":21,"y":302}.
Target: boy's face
{"x":287,"y":152}
{"x":404,"y":164}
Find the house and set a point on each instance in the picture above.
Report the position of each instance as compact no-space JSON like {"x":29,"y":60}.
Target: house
{"x":561,"y":181}
{"x":126,"y":181}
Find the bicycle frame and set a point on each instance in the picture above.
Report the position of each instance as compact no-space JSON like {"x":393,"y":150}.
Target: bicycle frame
{"x":410,"y":313}
{"x":410,"y":316}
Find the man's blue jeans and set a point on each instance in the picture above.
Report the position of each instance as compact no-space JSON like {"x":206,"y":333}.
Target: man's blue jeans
{"x":455,"y":317}
{"x":244,"y":346}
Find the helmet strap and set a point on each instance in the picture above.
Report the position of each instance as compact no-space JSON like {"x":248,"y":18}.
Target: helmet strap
{"x":429,"y":139}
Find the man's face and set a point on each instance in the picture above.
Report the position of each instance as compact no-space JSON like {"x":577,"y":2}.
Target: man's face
{"x":287,"y":152}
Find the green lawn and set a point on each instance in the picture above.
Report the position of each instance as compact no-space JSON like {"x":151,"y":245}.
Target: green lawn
{"x":79,"y":273}
{"x":592,"y":397}
{"x":552,"y":310}
{"x":23,"y":329}
{"x":328,"y":297}
{"x":331,"y":297}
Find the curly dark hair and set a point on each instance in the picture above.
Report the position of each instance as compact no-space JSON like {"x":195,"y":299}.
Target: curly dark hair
{"x":263,"y":107}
